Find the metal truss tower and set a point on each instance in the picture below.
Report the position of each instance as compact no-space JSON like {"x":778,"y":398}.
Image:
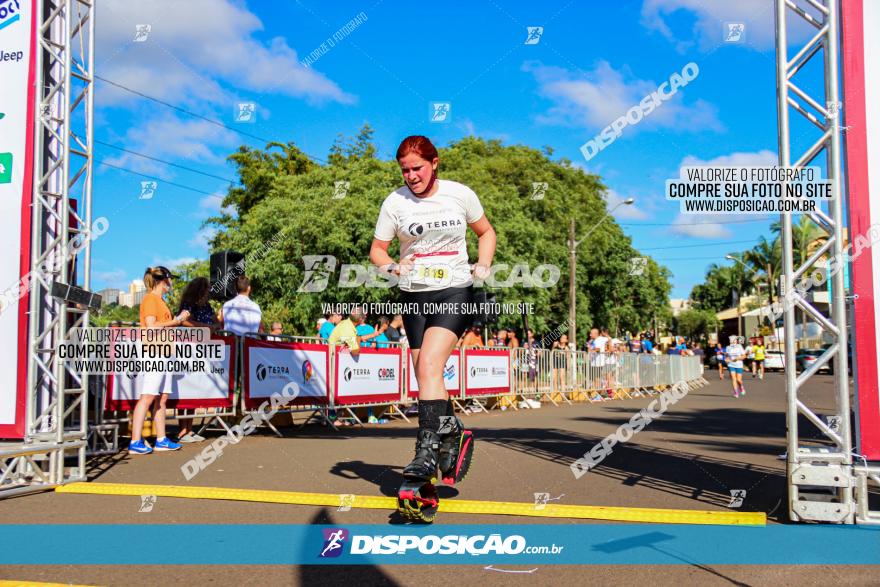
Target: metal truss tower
{"x":823,"y":483}
{"x":56,"y":434}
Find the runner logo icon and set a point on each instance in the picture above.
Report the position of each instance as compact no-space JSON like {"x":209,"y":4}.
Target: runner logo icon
{"x":333,"y":541}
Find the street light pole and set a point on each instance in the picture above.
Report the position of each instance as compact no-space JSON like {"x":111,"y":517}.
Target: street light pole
{"x":572,"y":264}
{"x":572,"y":297}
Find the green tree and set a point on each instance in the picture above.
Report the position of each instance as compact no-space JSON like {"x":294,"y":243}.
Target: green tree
{"x":696,"y":324}
{"x":724,"y":284}
{"x":766,"y":258}
{"x":114,"y":313}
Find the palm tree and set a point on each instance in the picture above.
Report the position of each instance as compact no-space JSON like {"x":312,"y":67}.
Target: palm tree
{"x":766,"y":257}
{"x":806,"y":237}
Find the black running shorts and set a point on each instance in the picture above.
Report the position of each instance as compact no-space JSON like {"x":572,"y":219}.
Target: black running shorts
{"x":444,"y":308}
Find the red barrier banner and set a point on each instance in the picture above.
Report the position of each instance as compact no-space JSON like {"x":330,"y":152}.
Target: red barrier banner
{"x":451,"y":376}
{"x":270,"y":365}
{"x":486,"y":372}
{"x":371,"y":376}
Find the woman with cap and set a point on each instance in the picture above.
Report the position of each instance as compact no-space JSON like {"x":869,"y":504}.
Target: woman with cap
{"x":154,"y":313}
{"x":430,"y":218}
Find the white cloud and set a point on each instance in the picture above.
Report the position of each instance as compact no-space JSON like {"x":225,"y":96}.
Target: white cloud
{"x":594,"y":101}
{"x":202,"y":238}
{"x":174,"y":262}
{"x":625,"y":211}
{"x":171,"y":137}
{"x":195,"y":45}
{"x":710,"y":16}
{"x":211,"y":206}
{"x":113,"y":278}
{"x":470,"y":129}
{"x":701,"y":225}
{"x":739,"y":159}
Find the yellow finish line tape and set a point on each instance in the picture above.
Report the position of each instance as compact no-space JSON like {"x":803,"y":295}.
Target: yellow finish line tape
{"x":459,"y":506}
{"x":29,"y":583}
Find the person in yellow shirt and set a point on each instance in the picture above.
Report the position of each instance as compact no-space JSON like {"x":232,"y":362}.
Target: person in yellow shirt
{"x":346,"y":333}
{"x":758,"y":363}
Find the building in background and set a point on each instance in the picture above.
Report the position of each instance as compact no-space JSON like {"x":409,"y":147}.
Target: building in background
{"x":109,"y":295}
{"x":136,"y":293}
{"x":678,"y":306}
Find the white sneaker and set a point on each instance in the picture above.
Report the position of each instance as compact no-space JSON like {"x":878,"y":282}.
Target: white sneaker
{"x":533,"y":403}
{"x":524,"y":405}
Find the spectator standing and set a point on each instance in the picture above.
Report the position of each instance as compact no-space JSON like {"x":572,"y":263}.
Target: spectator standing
{"x":382,"y":328}
{"x":560,"y":361}
{"x":327,"y":327}
{"x":365,"y":332}
{"x":393,"y":331}
{"x":345,"y":332}
{"x":154,"y":313}
{"x":512,"y":340}
{"x":681,"y":347}
{"x":697,"y":351}
{"x":275,"y":331}
{"x":194,"y":300}
{"x":241,"y":314}
{"x":532,"y":355}
{"x":473,"y":337}
{"x":635,"y":345}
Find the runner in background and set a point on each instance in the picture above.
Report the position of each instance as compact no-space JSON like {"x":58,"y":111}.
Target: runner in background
{"x":758,"y":362}
{"x":734,"y":355}
{"x":719,"y":358}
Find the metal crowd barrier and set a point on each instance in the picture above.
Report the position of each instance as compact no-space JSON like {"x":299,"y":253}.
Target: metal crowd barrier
{"x":547,"y":375}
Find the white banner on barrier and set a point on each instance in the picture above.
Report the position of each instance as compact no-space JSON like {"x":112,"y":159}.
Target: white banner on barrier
{"x":487,"y":371}
{"x":367,"y":375}
{"x":212,"y":384}
{"x":450,"y":374}
{"x":272,"y":369}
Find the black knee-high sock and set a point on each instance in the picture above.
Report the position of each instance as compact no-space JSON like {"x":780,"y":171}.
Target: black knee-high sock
{"x":429,"y":413}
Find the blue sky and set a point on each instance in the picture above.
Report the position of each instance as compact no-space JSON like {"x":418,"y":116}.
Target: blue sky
{"x":593,"y":62}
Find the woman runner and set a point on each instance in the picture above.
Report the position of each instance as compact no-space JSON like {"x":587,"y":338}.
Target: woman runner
{"x":430,"y":217}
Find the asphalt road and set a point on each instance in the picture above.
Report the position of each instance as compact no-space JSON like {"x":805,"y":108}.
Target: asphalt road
{"x":706,"y":445}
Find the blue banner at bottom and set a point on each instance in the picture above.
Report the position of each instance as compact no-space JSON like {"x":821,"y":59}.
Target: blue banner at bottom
{"x":482,"y":544}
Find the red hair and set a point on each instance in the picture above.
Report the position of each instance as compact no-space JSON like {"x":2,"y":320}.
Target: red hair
{"x":421,"y":146}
